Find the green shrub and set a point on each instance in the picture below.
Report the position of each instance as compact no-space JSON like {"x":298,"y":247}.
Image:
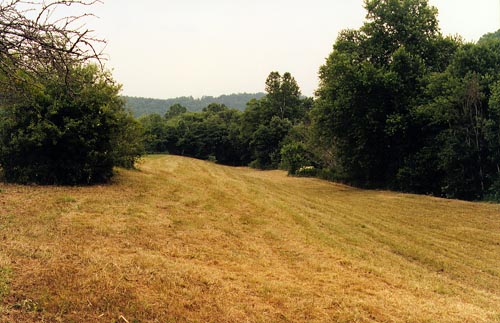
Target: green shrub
{"x":67,"y":131}
{"x":294,"y":156}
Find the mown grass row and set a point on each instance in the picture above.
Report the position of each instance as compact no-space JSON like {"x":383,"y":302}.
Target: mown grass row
{"x":182,"y":240}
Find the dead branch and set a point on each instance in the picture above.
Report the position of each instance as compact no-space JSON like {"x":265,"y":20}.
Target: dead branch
{"x":34,"y":39}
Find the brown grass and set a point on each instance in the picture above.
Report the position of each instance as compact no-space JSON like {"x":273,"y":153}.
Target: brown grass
{"x":184,"y":240}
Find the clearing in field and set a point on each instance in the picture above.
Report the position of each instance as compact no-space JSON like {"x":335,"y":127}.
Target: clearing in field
{"x":182,"y":240}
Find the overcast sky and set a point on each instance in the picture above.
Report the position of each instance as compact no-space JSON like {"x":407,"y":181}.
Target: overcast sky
{"x":171,"y":48}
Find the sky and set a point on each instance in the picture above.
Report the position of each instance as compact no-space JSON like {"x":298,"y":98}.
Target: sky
{"x":171,"y":48}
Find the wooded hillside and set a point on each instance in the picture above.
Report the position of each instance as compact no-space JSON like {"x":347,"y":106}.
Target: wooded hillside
{"x":143,"y":106}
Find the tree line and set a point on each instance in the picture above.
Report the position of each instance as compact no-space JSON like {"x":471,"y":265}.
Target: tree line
{"x":406,"y":108}
{"x":229,"y":136}
{"x":399,"y":106}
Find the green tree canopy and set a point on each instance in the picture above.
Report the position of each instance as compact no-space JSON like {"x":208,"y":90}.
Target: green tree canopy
{"x":175,"y":110}
{"x":371,"y":84}
{"x":266,"y":122}
{"x":463,"y":123}
{"x":283,"y":96}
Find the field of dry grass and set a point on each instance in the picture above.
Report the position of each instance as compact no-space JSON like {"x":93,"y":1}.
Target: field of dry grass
{"x":183,"y":240}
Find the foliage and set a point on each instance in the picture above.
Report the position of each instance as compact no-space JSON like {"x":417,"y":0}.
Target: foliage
{"x":400,"y":106}
{"x":175,"y":110}
{"x":283,"y":96}
{"x":67,"y":131}
{"x":266,"y":122}
{"x":266,"y":142}
{"x":227,"y":135}
{"x":128,"y":142}
{"x":370,"y":85}
{"x":210,"y":134}
{"x":155,"y":133}
{"x":464,"y":122}
{"x":489,"y":37}
{"x":294,"y":158}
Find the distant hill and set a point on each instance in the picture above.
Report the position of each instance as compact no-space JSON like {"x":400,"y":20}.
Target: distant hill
{"x":142,"y":106}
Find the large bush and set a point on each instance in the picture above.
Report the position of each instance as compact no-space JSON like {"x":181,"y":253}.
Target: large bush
{"x":69,"y":129}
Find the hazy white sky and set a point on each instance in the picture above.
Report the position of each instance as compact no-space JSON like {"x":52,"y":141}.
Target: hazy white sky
{"x":170,"y":48}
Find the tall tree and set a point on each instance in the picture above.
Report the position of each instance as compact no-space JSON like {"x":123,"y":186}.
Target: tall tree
{"x":371,"y":84}
{"x":463,"y":113}
{"x":283,"y":96}
{"x":266,"y":122}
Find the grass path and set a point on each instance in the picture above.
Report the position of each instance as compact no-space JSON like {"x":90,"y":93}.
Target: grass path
{"x":183,"y":240}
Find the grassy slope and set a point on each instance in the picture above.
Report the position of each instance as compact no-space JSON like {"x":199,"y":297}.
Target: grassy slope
{"x":189,"y":241}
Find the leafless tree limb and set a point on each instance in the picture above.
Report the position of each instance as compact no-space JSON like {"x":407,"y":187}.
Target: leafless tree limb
{"x":34,"y":39}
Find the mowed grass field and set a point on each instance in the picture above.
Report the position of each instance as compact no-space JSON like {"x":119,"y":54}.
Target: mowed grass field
{"x":183,"y":240}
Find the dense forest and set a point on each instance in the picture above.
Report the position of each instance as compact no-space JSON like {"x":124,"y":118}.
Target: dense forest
{"x":143,"y":106}
{"x":399,"y":106}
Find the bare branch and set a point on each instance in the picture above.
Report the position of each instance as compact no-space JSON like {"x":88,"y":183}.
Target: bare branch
{"x":33,"y":39}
